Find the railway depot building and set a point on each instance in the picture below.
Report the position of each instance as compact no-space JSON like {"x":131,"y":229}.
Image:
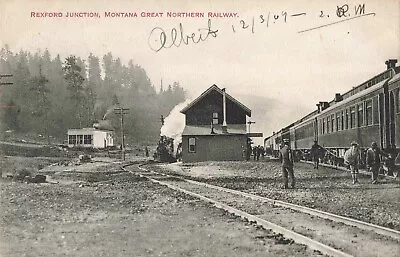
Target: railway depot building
{"x":215,"y":128}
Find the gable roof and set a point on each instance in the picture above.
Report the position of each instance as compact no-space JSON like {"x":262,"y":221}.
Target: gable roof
{"x":216,"y":88}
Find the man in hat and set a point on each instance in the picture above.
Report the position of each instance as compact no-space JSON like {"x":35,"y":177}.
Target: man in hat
{"x":352,"y":158}
{"x":286,"y":157}
{"x":374,"y":161}
{"x":315,"y":153}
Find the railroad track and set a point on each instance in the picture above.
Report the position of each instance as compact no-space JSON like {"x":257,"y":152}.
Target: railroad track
{"x":325,"y":232}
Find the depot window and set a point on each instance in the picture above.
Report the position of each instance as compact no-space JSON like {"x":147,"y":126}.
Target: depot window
{"x":338,"y":126}
{"x":215,"y":118}
{"x":346,"y":122}
{"x":192,"y":145}
{"x":333,"y":122}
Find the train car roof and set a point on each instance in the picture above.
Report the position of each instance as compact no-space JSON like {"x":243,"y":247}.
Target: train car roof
{"x":353,"y":97}
{"x":349,"y":99}
{"x":394,"y":79}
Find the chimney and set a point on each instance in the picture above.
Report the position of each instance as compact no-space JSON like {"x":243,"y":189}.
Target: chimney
{"x":323,"y":105}
{"x":338,"y":97}
{"x":318,"y":107}
{"x":391,"y":63}
{"x":224,"y":125}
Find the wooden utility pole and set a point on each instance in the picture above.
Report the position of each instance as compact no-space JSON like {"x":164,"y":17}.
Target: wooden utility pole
{"x":250,"y":122}
{"x":122,"y":111}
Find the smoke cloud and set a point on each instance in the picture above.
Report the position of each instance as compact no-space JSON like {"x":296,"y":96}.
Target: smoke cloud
{"x":174,"y":124}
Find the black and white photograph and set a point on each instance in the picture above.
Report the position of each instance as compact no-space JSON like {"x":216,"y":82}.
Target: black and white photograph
{"x":224,"y":128}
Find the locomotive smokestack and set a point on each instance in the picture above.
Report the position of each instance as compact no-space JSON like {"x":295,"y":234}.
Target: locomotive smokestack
{"x":391,"y":63}
{"x":224,"y":125}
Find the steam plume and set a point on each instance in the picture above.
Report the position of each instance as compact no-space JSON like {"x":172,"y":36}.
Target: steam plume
{"x":174,"y":124}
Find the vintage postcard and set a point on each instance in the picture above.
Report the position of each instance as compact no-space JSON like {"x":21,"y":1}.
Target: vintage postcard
{"x":199,"y":128}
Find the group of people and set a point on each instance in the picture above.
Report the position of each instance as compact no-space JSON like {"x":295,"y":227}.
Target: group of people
{"x":373,"y":160}
{"x":257,"y":152}
{"x":351,"y":158}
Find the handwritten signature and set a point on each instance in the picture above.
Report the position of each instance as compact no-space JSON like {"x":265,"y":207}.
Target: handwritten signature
{"x":159,"y":39}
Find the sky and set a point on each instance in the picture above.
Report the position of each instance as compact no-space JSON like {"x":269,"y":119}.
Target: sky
{"x":302,"y":54}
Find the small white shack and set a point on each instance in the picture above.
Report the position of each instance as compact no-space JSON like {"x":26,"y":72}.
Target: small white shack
{"x":90,"y":138}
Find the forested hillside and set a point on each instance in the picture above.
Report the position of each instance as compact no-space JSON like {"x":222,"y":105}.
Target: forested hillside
{"x":51,"y":94}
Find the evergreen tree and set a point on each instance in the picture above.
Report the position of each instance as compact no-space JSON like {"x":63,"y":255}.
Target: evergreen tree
{"x":42,"y":105}
{"x":74,"y":78}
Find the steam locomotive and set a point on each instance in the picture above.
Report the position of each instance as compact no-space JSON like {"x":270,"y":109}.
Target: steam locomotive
{"x":165,"y":151}
{"x":366,"y":113}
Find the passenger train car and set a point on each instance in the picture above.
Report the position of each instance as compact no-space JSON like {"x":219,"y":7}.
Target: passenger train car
{"x":366,"y":113}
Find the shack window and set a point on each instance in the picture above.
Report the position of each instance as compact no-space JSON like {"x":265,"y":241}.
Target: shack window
{"x":79,"y":139}
{"x":360,"y":115}
{"x":87,"y":139}
{"x":215,"y":118}
{"x":368,"y":112}
{"x":352,"y":117}
{"x":192,"y":145}
{"x":72,"y":139}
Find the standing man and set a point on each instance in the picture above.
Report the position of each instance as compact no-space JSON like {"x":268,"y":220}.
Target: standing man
{"x":258,"y":152}
{"x":286,"y":157}
{"x":374,"y":161}
{"x":315,"y":152}
{"x":352,"y":158}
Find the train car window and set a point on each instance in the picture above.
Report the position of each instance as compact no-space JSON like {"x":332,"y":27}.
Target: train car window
{"x":342,"y":120}
{"x":338,"y":126}
{"x":375,"y":110}
{"x":398,"y":100}
{"x":352,"y":117}
{"x":328,"y":124}
{"x":368,"y":112}
{"x":192,"y":145}
{"x":360,"y":115}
